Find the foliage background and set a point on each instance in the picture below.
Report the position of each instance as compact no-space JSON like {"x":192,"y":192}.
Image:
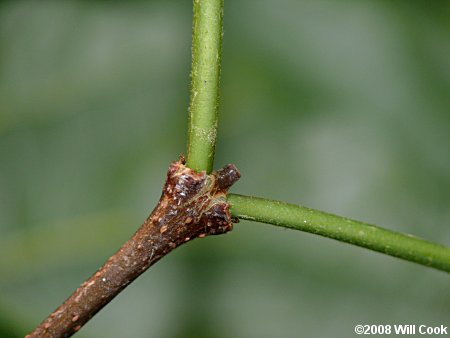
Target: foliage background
{"x":337,"y":105}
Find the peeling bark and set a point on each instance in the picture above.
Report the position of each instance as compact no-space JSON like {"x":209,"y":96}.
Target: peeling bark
{"x":192,"y":205}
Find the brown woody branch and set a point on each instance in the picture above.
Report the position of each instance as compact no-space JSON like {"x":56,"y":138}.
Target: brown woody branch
{"x":191,"y":205}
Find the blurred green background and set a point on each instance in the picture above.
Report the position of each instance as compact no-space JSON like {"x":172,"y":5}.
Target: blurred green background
{"x":337,"y":105}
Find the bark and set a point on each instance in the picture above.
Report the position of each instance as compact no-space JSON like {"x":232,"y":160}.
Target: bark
{"x":192,"y":205}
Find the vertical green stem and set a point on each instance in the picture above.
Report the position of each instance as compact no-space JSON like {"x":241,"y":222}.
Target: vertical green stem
{"x":205,"y":78}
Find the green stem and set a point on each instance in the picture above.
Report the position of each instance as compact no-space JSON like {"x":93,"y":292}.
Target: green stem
{"x":205,"y":77}
{"x":342,"y":229}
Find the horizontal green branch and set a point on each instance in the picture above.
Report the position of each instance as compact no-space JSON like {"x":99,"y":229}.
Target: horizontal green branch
{"x":342,"y":229}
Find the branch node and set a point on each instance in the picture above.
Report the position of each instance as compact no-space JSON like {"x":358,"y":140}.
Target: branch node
{"x":192,"y":204}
